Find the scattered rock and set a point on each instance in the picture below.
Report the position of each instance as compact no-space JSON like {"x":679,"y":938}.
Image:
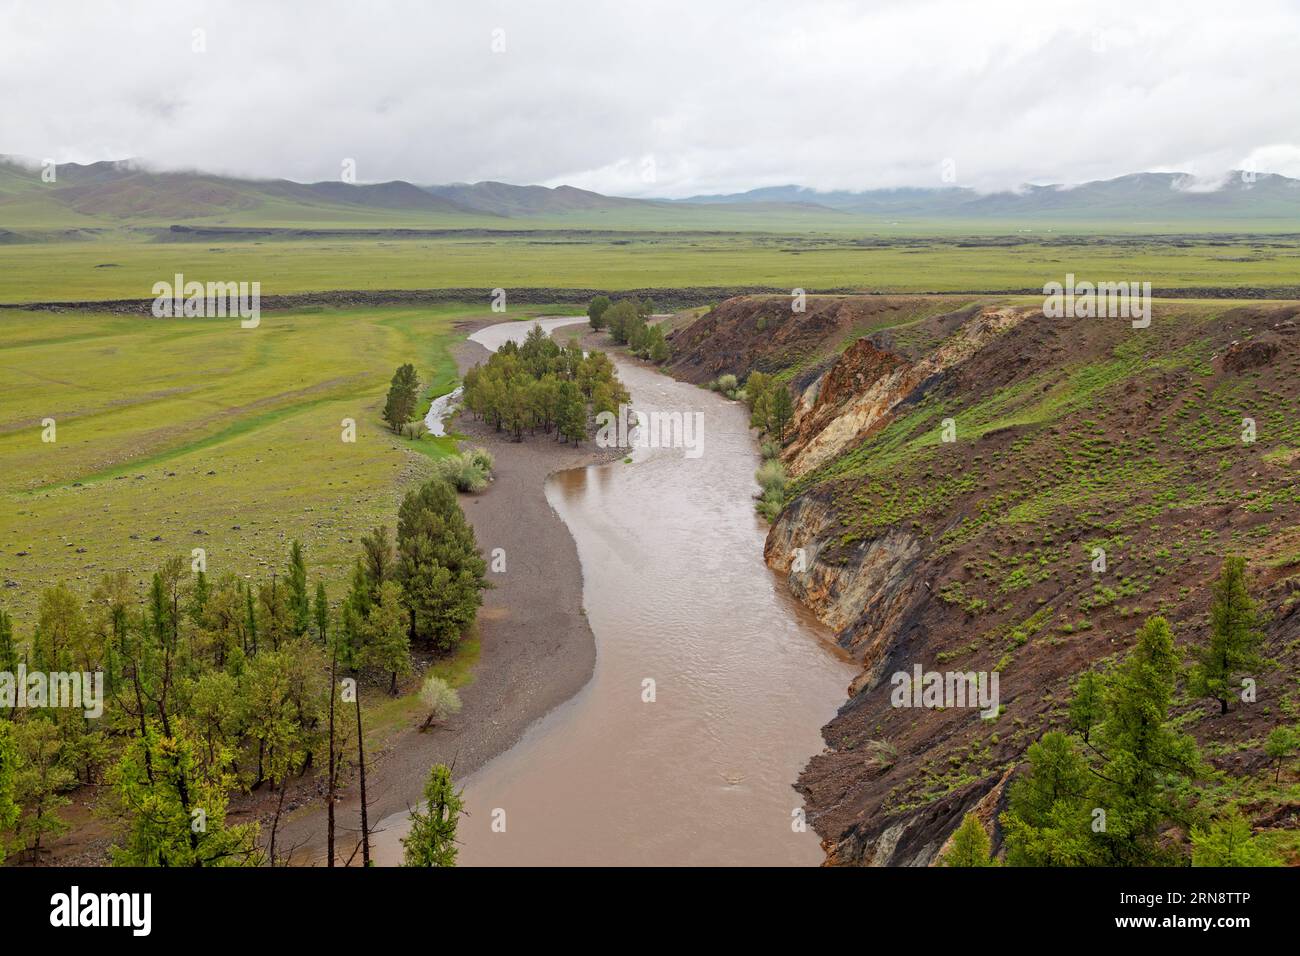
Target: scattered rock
{"x":1253,"y":353}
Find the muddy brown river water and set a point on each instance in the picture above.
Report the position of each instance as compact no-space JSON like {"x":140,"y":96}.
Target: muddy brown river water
{"x":696,"y":767}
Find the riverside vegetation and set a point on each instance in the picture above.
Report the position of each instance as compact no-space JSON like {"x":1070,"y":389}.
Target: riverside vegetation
{"x":242,"y":426}
{"x":976,"y":485}
{"x":541,"y":384}
{"x":218,"y":688}
{"x":1112,"y":788}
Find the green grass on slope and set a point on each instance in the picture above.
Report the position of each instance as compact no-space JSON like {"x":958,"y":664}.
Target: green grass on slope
{"x":199,"y":433}
{"x":1062,"y":457}
{"x":122,"y":268}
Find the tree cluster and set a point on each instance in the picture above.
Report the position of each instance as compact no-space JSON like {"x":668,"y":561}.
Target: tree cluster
{"x":1112,"y":790}
{"x":219,"y":687}
{"x":540,"y":384}
{"x":626,"y":322}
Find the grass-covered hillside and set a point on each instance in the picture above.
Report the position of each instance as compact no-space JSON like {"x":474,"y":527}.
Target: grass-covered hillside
{"x":117,"y":266}
{"x":177,"y":434}
{"x":1069,"y":437}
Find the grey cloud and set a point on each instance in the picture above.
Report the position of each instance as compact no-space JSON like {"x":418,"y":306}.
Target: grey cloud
{"x":651,"y":98}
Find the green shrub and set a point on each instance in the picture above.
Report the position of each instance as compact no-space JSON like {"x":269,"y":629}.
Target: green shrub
{"x":466,"y":472}
{"x":770,"y":505}
{"x":771,"y":476}
{"x":416,"y":429}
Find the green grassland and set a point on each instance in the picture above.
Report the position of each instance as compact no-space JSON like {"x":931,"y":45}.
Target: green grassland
{"x":124,"y":268}
{"x":195,"y":433}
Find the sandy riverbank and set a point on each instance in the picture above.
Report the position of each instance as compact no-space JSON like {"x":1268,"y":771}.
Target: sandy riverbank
{"x":537,"y":649}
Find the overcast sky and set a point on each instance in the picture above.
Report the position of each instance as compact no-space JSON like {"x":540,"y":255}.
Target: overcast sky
{"x":649,"y":98}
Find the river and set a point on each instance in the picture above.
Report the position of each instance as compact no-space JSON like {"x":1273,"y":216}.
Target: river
{"x":696,"y":767}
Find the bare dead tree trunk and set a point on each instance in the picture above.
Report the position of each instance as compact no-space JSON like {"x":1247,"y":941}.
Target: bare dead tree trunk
{"x":333,"y":766}
{"x":275,"y":822}
{"x":361,"y":759}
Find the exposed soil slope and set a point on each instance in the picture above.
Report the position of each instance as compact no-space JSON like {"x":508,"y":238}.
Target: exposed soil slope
{"x":976,"y":554}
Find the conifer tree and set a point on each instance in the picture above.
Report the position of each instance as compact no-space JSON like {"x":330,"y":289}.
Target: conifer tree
{"x":9,"y":809}
{"x":1281,"y":742}
{"x":780,"y":410}
{"x":299,"y":598}
{"x":970,"y":845}
{"x":1229,"y":841}
{"x":1047,"y":822}
{"x":8,"y":649}
{"x":439,"y":566}
{"x":387,"y":643}
{"x":321,"y":610}
{"x":1086,"y":705}
{"x":432,"y":840}
{"x":1145,"y":758}
{"x":403,"y":397}
{"x":1236,"y":634}
{"x":40,"y":779}
{"x":177,"y":816}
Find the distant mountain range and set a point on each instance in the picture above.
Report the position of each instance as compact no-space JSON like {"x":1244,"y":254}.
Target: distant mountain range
{"x":1237,"y":195}
{"x":125,"y":193}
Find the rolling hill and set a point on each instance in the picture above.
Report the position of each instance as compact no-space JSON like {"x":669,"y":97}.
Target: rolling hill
{"x":106,"y":194}
{"x":125,"y":194}
{"x":504,"y":199}
{"x":1166,"y":197}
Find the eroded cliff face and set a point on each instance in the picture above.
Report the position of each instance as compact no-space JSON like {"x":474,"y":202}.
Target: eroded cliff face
{"x":763,"y":333}
{"x":861,"y":390}
{"x":846,"y":403}
{"x":863,"y":592}
{"x":975,"y":555}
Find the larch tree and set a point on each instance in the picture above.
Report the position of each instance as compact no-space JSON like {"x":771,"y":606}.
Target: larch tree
{"x":1086,"y":709}
{"x":780,"y":410}
{"x":403,"y":397}
{"x":9,"y":808}
{"x":299,"y":597}
{"x":1047,"y":821}
{"x":1229,"y":841}
{"x":439,"y":565}
{"x":432,"y":840}
{"x":970,"y":844}
{"x":39,"y":782}
{"x":387,"y":644}
{"x":1236,"y":633}
{"x":175,"y":815}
